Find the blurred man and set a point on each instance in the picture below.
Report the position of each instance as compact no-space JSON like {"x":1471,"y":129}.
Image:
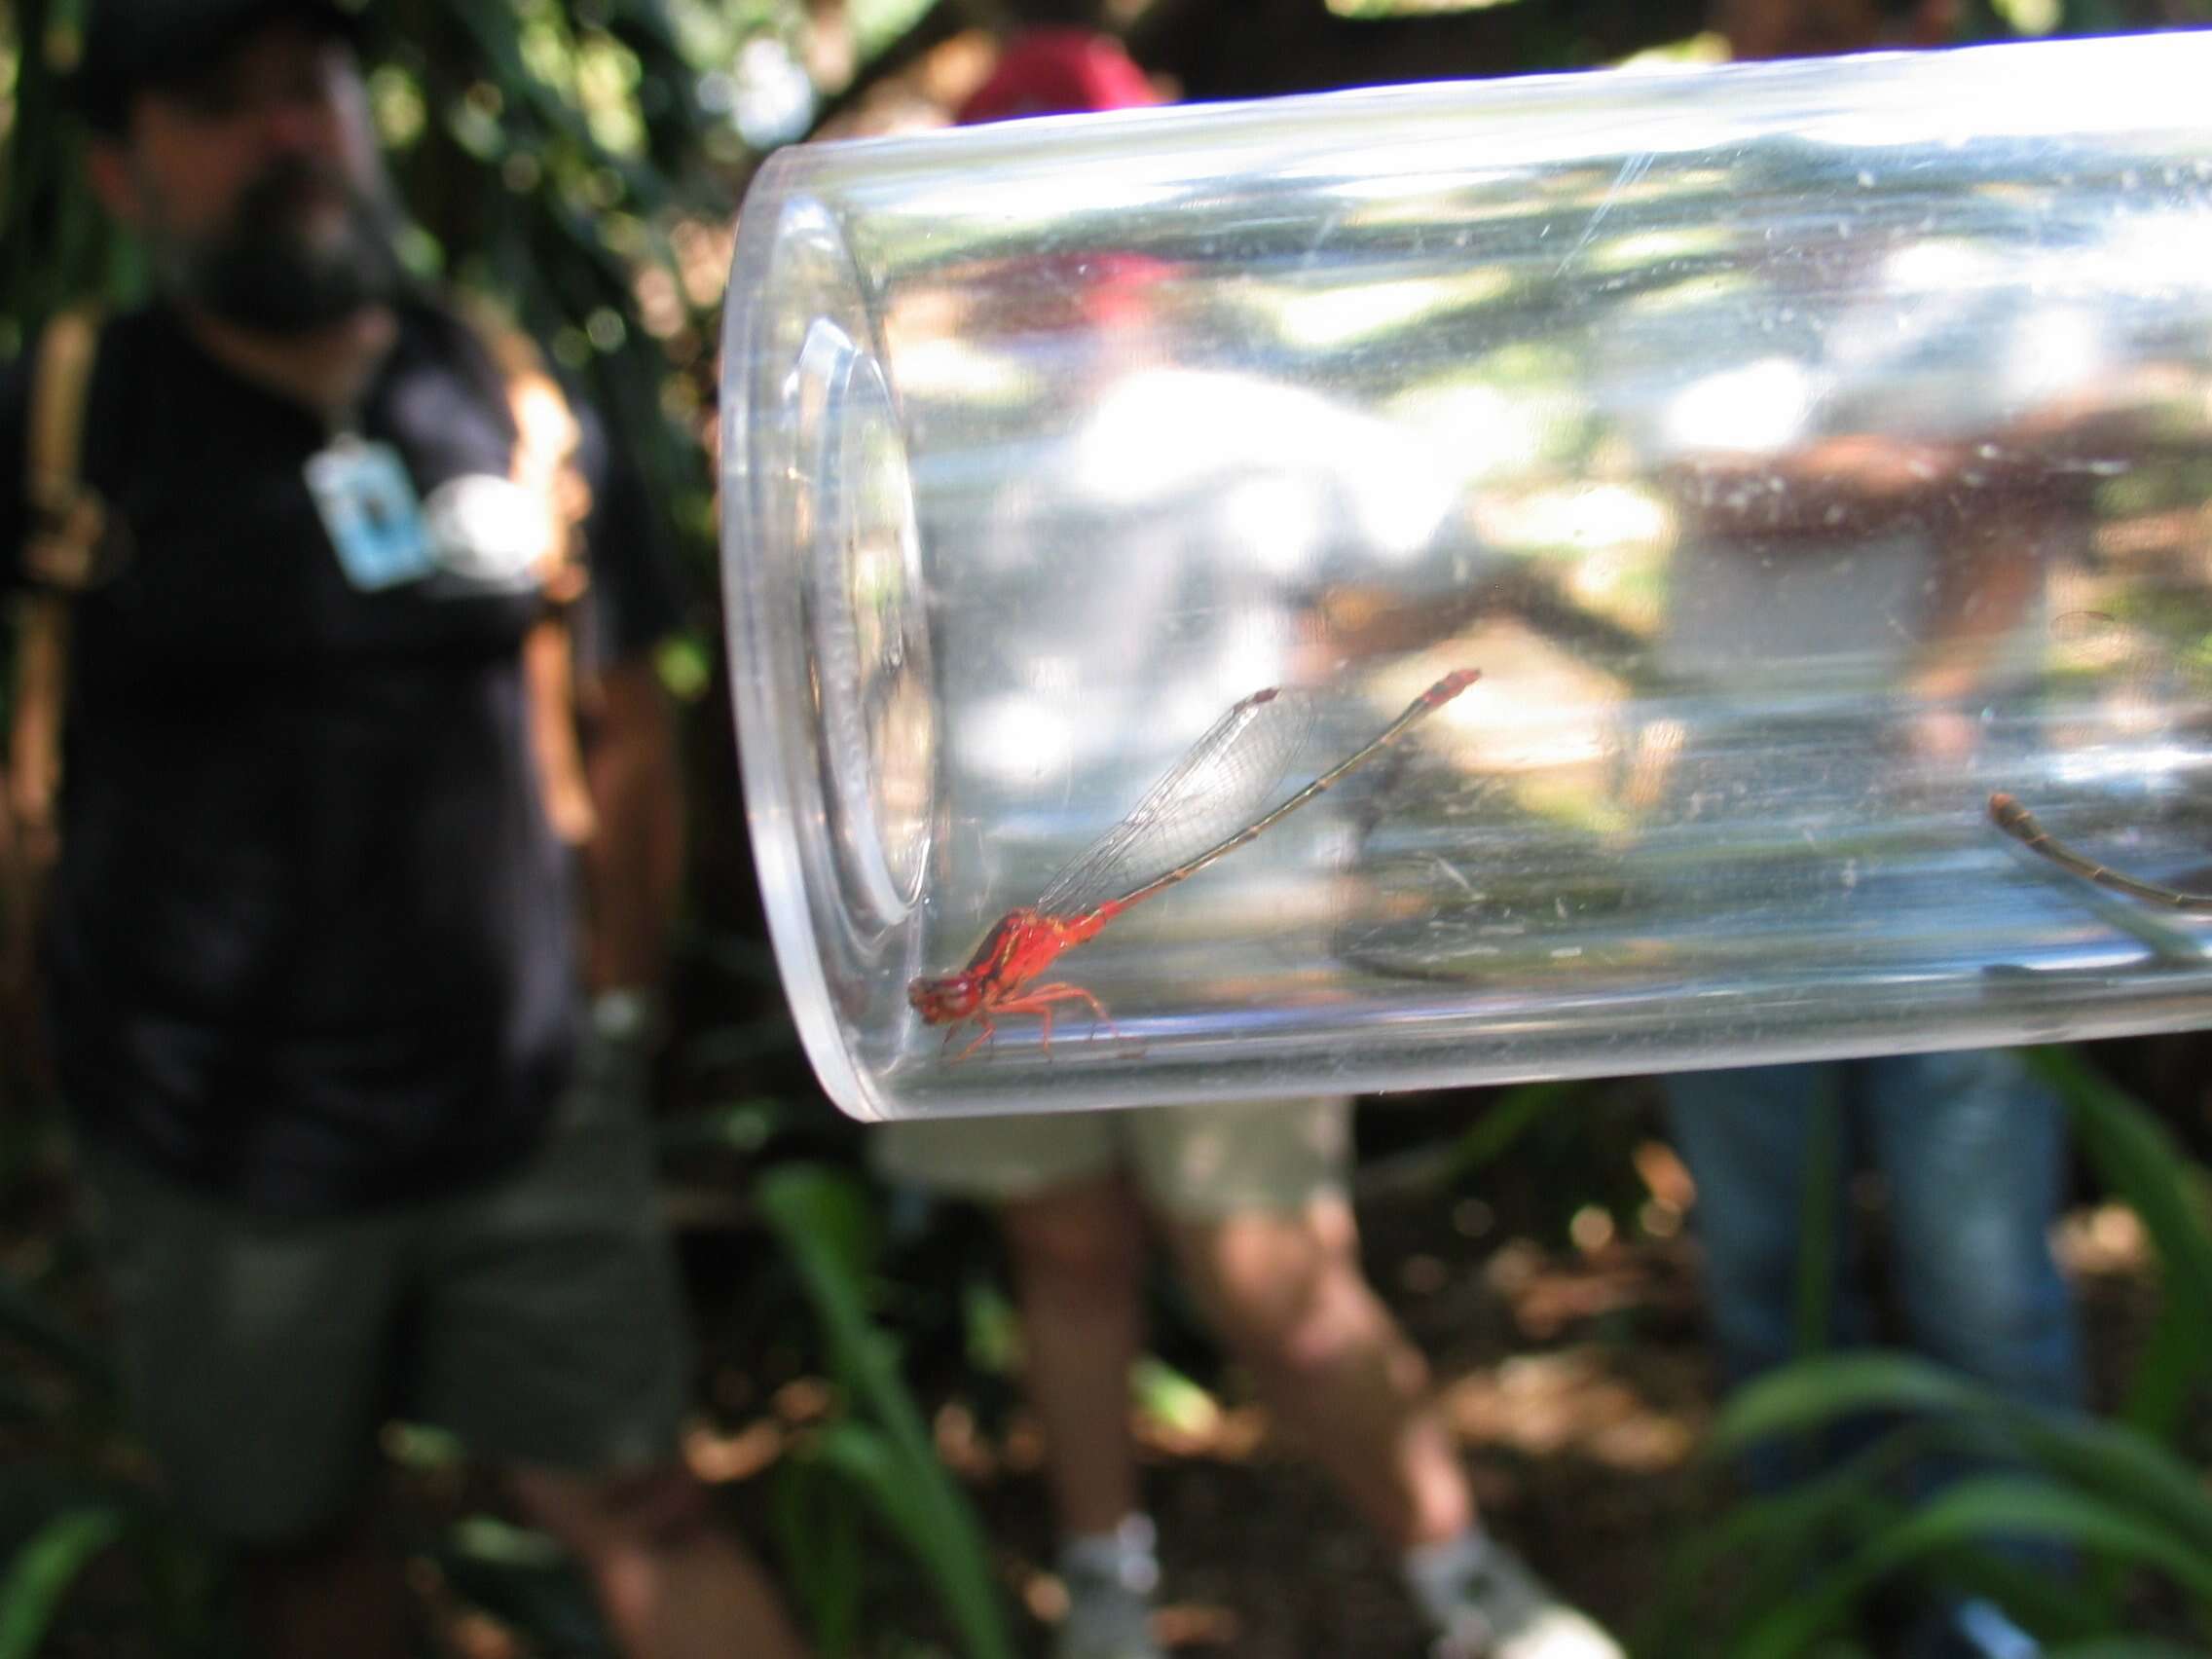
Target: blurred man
{"x":303,"y":559}
{"x":1971,"y":1153}
{"x":1252,"y":1202}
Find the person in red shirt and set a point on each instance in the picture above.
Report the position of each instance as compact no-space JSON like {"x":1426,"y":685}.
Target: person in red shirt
{"x":1251,"y":1198}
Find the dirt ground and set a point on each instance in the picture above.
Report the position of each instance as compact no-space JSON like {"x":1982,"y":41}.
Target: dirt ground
{"x":1575,"y":1374}
{"x":1579,"y":1385}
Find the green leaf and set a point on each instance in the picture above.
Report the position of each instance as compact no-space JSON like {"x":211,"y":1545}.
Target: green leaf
{"x":2168,"y":1371}
{"x":834,"y":1233}
{"x":1765,"y":1547}
{"x":869,"y":1461}
{"x":44,"y":1569}
{"x":2123,"y":1465}
{"x":993,"y":1329}
{"x":1503,"y":1122}
{"x":2139,"y":1160}
{"x":1810,"y":1393}
{"x":828,"y":1227}
{"x":424,"y":1446}
{"x":34,"y":1489}
{"x":1171,"y":1399}
{"x":2109,"y":1460}
{"x":501,"y":1543}
{"x":686,"y":667}
{"x":819,"y":1534}
{"x":1970,"y":1515}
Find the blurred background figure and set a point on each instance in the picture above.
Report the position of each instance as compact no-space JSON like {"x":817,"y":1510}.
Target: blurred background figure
{"x":1065,"y":71}
{"x":1813,"y":28}
{"x":1251,"y":1200}
{"x":1870,"y":565}
{"x":317,"y":575}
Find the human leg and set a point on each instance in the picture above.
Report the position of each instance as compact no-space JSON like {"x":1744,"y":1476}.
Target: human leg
{"x":1264,"y":1236}
{"x":339,"y":1595}
{"x":1076,"y":1245}
{"x":1974,"y":1155}
{"x":671,"y":1584}
{"x":552,"y":1341}
{"x":1285,"y":1292}
{"x":1768,"y":1148}
{"x":1077,"y":1256}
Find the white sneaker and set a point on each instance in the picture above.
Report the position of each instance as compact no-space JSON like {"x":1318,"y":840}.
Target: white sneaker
{"x":1504,"y":1611}
{"x":1106,"y":1620}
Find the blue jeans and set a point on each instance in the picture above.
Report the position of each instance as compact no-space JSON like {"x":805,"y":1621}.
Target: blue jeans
{"x":1974,"y":1155}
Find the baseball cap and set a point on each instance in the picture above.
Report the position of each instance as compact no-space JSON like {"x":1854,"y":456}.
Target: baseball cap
{"x":1072,"y":71}
{"x":132,"y":45}
{"x":1058,"y":72}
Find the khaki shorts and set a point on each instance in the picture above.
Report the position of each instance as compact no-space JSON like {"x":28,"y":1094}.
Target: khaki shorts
{"x":538,"y":1317}
{"x":1192,"y":1163}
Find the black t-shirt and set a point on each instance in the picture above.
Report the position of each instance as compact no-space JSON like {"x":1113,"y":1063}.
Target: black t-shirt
{"x":311,"y":942}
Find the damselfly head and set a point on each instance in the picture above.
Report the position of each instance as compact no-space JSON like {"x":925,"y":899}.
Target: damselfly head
{"x":944,"y":999}
{"x":1451,"y":685}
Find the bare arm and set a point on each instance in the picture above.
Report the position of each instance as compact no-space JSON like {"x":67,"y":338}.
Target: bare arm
{"x":634,"y":865}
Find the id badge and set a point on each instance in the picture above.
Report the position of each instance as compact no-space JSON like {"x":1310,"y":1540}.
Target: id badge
{"x":369,"y":510}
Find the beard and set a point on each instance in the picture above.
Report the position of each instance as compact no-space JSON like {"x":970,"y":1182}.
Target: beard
{"x":263,"y":271}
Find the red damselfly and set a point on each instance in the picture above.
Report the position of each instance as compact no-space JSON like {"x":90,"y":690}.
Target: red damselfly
{"x":1204,"y":802}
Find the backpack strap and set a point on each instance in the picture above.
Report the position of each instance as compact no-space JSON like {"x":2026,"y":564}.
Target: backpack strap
{"x":68,"y":526}
{"x":547,"y":435}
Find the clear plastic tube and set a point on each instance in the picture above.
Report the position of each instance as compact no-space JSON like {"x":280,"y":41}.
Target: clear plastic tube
{"x":1802,"y":452}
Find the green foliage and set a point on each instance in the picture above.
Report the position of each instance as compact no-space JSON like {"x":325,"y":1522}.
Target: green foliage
{"x":1803,"y":1561}
{"x":1167,"y":1397}
{"x":43,"y":1569}
{"x":557,"y":159}
{"x":65,"y":1505}
{"x":882,"y":1450}
{"x":819,"y":1535}
{"x":54,"y":242}
{"x":1966,"y":1517}
{"x":1496,"y":1133}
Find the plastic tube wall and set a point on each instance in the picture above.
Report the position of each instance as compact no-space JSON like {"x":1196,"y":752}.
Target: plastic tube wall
{"x":1804,"y":454}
